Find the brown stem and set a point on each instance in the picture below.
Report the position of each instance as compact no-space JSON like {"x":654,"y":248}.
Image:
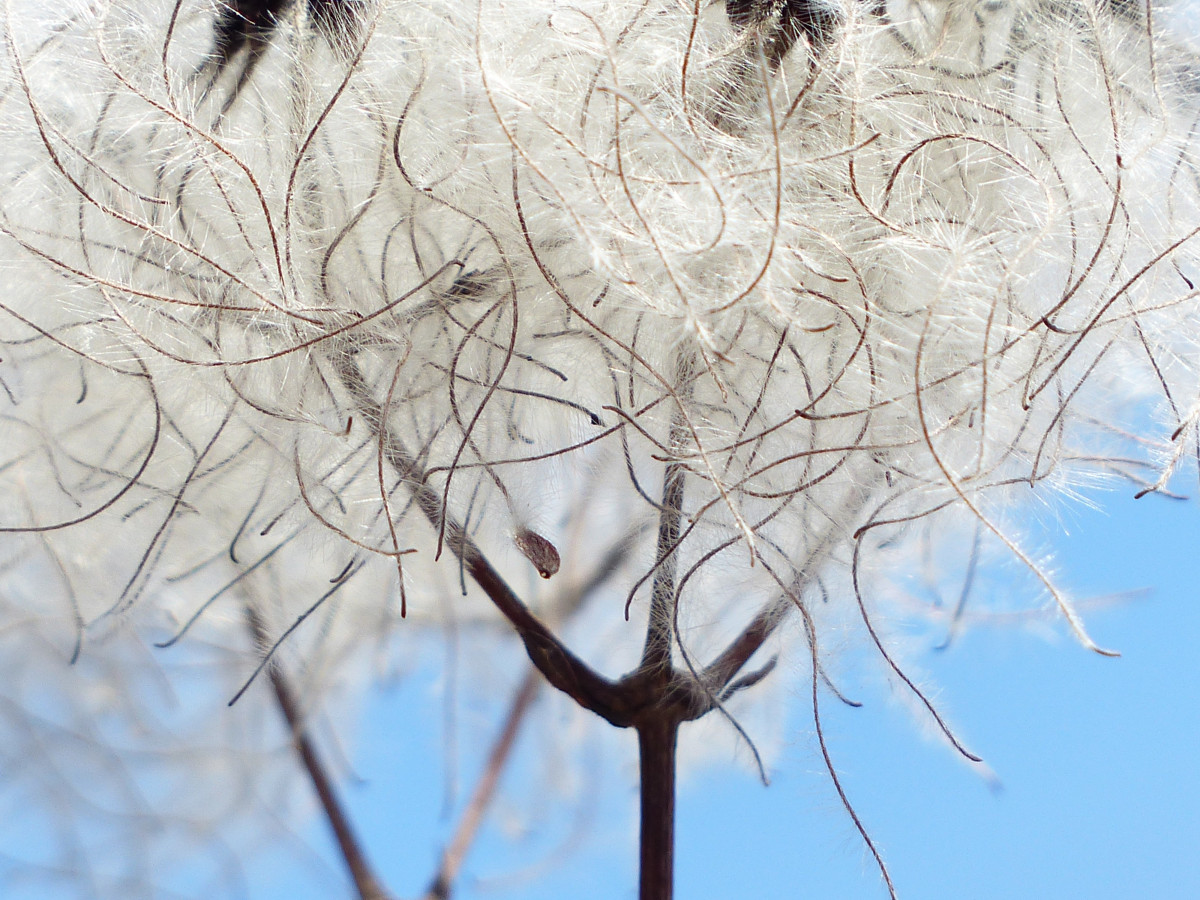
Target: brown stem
{"x":562,"y":668}
{"x":721,"y":671}
{"x":653,"y":699}
{"x":656,"y":653}
{"x":456,"y":851}
{"x":656,"y":757}
{"x":442,"y":885}
{"x":365,"y":882}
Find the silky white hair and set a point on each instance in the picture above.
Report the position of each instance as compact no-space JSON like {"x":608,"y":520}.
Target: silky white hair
{"x":871,"y":275}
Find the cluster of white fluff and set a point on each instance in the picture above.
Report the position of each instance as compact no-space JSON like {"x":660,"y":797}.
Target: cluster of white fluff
{"x":525,"y":253}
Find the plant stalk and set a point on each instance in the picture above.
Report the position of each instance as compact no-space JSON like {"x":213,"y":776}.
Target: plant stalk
{"x":656,"y":751}
{"x":366,"y":883}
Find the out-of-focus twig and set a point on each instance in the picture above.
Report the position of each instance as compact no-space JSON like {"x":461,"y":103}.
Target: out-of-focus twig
{"x":365,"y":881}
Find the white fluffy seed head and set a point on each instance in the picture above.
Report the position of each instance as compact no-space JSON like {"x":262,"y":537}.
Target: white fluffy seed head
{"x":864,"y":290}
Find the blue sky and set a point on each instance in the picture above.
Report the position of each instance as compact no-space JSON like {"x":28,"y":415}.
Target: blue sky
{"x":1100,"y":794}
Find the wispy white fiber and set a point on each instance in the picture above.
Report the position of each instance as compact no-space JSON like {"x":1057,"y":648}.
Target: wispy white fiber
{"x":878,"y":290}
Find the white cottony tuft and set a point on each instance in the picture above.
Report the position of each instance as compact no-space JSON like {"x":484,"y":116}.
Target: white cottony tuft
{"x":299,"y":300}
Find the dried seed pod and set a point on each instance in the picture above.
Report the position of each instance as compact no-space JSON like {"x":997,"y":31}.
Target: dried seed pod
{"x":782,"y":22}
{"x":538,"y":551}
